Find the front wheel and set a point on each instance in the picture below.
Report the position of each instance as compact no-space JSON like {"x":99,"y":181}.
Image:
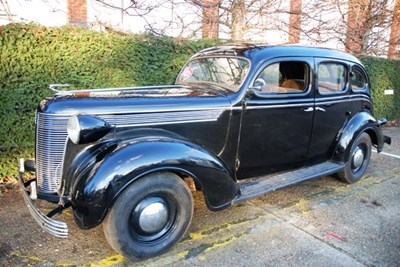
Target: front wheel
{"x":359,"y":157}
{"x":150,"y":216}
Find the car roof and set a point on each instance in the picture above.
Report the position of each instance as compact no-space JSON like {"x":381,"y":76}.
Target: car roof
{"x":257,"y":51}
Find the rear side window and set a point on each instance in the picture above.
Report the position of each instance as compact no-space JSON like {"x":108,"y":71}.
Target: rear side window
{"x":331,"y":77}
{"x":287,"y":77}
{"x":358,"y":80}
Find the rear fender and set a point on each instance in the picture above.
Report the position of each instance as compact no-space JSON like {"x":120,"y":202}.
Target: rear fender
{"x":359,"y":123}
{"x":93,"y":195}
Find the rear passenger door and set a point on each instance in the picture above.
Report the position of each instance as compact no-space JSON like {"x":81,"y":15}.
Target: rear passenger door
{"x":332,"y":107}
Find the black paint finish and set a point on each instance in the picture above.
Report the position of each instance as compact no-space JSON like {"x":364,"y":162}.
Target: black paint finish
{"x":214,"y":135}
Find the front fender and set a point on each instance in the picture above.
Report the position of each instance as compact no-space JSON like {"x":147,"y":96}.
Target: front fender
{"x":94,"y":194}
{"x":361,"y":122}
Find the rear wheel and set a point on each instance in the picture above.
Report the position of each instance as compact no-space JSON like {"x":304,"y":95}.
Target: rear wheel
{"x":150,"y":216}
{"x":359,"y":157}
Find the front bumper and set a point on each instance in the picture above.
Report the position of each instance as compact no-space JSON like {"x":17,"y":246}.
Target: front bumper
{"x":54,"y":227}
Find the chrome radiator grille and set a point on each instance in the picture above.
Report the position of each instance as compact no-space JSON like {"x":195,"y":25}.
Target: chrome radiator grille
{"x":51,"y":137}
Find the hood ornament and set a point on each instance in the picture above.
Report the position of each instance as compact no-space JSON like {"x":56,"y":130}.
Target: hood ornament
{"x":55,"y":87}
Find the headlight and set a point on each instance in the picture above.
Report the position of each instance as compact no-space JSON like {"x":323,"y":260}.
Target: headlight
{"x":83,"y":129}
{"x":73,"y":129}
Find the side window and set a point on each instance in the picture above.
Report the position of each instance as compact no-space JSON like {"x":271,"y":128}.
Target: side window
{"x":287,"y":77}
{"x":358,"y":80}
{"x":331,"y":77}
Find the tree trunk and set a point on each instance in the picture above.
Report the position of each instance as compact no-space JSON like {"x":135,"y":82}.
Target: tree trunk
{"x":394,"y":42}
{"x":238,"y":20}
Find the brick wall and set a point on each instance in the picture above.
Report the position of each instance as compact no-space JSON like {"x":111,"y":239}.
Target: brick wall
{"x":77,"y":12}
{"x":210,"y":19}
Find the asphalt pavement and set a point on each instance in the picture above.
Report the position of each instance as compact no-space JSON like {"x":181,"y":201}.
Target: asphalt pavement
{"x":318,"y":223}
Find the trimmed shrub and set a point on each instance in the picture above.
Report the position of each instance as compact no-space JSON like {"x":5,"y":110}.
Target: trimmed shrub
{"x":32,"y":57}
{"x":384,"y":74}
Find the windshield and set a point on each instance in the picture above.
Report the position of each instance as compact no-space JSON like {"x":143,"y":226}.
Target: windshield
{"x":225,"y":71}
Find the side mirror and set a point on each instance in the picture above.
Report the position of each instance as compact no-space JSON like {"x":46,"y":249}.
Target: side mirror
{"x":258,"y":85}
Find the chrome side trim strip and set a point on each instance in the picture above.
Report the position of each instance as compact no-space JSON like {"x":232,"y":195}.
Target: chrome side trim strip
{"x":341,"y":101}
{"x":54,"y":87}
{"x":148,"y":119}
{"x":279,"y":106}
{"x":332,"y":98}
{"x":342,"y":97}
{"x":161,"y":110}
{"x":284,"y":101}
{"x":158,"y":123}
{"x":326,"y":101}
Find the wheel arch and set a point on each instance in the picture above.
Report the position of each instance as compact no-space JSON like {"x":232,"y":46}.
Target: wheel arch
{"x":359,"y":123}
{"x":94,"y":193}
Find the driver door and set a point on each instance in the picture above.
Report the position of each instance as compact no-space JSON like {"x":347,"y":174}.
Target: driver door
{"x":277,"y":119}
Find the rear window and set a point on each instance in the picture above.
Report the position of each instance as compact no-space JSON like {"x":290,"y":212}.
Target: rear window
{"x":331,"y":77}
{"x":358,"y":80}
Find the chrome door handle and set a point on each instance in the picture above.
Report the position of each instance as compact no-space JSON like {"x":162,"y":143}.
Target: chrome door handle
{"x":320,"y":109}
{"x":308,"y":109}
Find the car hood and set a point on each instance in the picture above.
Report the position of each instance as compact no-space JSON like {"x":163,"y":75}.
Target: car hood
{"x":136,"y":100}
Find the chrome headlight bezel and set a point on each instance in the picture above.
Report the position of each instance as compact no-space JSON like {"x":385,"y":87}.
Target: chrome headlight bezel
{"x":73,"y":129}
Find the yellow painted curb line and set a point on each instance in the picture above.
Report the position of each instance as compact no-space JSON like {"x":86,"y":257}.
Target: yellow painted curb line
{"x":109,"y":261}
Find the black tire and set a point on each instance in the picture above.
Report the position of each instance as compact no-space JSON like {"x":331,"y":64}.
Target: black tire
{"x":358,"y":159}
{"x":131,"y":226}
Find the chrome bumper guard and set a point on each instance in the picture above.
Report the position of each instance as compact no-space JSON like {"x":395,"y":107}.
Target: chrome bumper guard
{"x":54,"y":227}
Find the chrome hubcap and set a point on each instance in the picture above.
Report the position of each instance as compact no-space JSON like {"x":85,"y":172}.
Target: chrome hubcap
{"x":153,"y":216}
{"x":358,"y":158}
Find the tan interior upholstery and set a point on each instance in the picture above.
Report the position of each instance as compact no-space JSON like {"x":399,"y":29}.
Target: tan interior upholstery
{"x":292,"y":84}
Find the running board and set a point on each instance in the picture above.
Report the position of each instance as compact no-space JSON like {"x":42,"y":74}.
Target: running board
{"x":266,"y":184}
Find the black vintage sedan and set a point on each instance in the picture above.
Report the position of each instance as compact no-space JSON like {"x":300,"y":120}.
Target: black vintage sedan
{"x":240,"y":121}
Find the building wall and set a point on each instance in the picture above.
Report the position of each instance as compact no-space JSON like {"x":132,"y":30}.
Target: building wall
{"x":295,"y":21}
{"x":77,"y":12}
{"x":49,"y":13}
{"x":210,"y":23}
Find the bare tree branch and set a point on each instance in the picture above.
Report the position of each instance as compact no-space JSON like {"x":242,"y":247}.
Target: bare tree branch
{"x":5,"y":10}
{"x":361,"y":28}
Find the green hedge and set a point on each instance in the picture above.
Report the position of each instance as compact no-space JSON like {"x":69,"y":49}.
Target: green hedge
{"x":32,"y":57}
{"x":384,"y":74}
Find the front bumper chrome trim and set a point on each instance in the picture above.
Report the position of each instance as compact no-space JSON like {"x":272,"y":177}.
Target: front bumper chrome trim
{"x":54,"y":227}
